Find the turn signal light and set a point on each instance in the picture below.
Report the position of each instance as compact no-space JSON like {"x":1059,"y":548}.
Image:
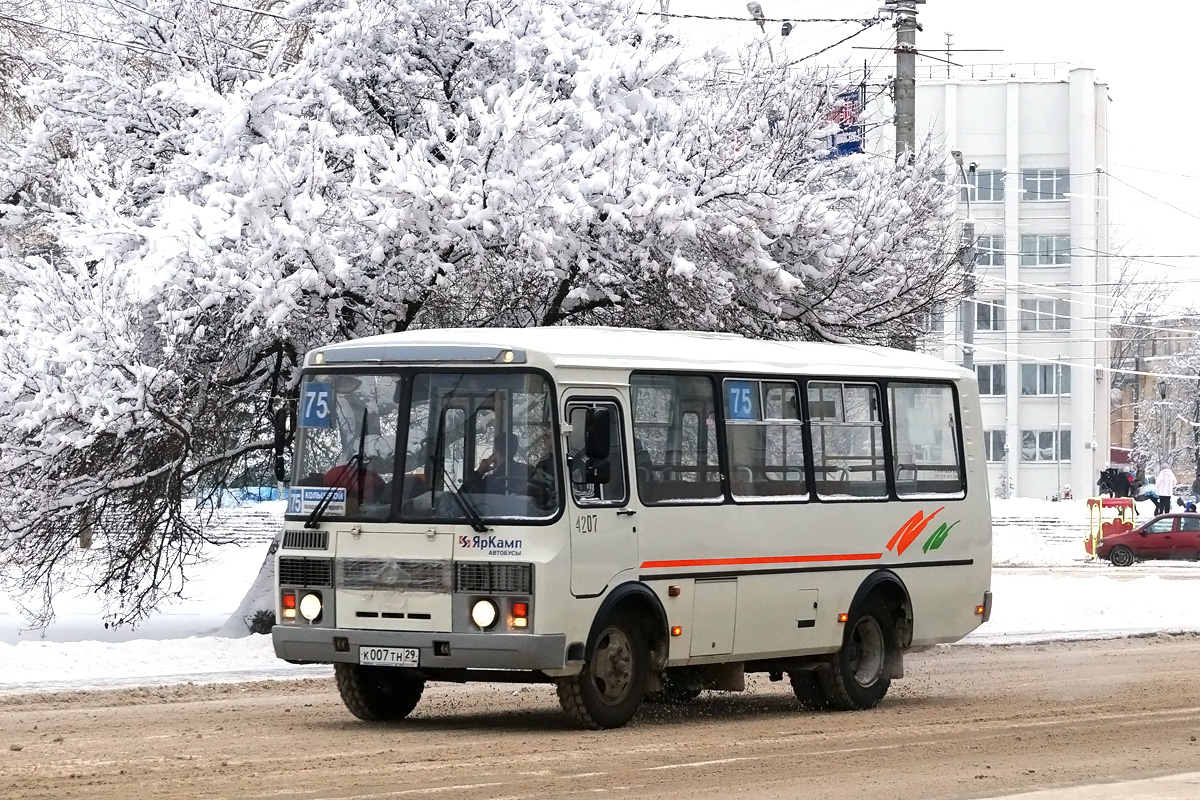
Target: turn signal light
{"x":979,"y":610}
{"x":677,"y":630}
{"x":520,"y":609}
{"x":843,"y":617}
{"x":289,"y":600}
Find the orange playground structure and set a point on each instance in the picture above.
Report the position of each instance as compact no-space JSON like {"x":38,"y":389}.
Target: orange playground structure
{"x":1106,"y":516}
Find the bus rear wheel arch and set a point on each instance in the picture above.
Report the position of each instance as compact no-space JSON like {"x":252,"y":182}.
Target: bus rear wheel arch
{"x":860,"y":672}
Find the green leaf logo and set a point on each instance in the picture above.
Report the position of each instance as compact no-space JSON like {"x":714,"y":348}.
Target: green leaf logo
{"x":939,"y":536}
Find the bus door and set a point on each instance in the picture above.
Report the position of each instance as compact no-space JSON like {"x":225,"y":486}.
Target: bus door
{"x":603,"y":540}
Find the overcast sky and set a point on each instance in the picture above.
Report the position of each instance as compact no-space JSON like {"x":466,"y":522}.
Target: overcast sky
{"x":1146,"y":52}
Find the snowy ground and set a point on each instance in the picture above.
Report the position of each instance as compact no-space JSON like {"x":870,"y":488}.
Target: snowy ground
{"x":1044,"y":589}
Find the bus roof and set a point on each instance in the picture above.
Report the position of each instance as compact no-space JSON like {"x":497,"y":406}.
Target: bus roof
{"x":636,"y":348}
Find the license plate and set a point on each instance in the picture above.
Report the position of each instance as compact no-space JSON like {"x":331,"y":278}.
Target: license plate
{"x":389,"y":656}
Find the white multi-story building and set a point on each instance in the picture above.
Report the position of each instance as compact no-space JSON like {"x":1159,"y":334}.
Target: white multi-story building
{"x":1035,"y":152}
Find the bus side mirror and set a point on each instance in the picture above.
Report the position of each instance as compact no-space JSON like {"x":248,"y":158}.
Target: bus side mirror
{"x":598,"y":472}
{"x":597,"y":436}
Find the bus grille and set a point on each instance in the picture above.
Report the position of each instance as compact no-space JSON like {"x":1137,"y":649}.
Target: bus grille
{"x":306,"y":540}
{"x":481,"y":576}
{"x":393,"y":574}
{"x":305,"y":572}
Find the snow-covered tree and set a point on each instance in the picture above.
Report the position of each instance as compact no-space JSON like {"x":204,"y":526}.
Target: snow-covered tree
{"x":217,"y":202}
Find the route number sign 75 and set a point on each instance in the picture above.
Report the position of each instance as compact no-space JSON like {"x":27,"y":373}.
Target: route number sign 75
{"x":315,"y":404}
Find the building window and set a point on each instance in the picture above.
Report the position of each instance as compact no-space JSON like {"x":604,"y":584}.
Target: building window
{"x":991,"y":379}
{"x":1040,"y":446}
{"x":1045,"y":379}
{"x":989,"y":251}
{"x":1045,"y":315}
{"x":1045,"y":184}
{"x":984,"y":186}
{"x":994,"y":445}
{"x":1045,"y":250}
{"x":989,"y":315}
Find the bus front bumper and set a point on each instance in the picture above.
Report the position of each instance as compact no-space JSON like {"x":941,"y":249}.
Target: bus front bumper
{"x":437,"y":650}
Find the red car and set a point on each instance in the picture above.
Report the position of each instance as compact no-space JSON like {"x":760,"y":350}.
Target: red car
{"x":1174,"y":536}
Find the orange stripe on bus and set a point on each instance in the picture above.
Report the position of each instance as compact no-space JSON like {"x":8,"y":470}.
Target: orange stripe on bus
{"x":731,"y":562}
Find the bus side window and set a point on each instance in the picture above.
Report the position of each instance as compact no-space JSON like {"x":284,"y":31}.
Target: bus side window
{"x":847,"y":440}
{"x":675,"y":423}
{"x":925,"y":440}
{"x":764,"y":440}
{"x":613,"y":492}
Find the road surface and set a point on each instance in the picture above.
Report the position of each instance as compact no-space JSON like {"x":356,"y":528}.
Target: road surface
{"x":967,"y":722}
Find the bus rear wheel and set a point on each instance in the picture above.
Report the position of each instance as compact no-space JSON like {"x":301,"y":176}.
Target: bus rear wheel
{"x":609,"y":690}
{"x":861,"y":672}
{"x":808,"y":690}
{"x":375,"y":694}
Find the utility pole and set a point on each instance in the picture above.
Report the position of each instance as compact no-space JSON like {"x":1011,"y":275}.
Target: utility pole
{"x":1058,"y":427}
{"x":905,"y":88}
{"x":967,"y":255}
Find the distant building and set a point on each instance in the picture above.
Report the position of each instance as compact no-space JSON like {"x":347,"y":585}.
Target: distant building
{"x":1040,"y":149}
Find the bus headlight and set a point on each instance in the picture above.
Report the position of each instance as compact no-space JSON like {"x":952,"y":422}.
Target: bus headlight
{"x":310,"y":606}
{"x":484,"y":613}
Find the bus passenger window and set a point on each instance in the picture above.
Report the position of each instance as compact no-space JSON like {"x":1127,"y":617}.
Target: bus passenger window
{"x":764,"y":440}
{"x":847,"y":440}
{"x":674,"y":419}
{"x":925,"y":440}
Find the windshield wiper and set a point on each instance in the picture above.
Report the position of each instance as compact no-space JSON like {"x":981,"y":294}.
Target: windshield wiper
{"x":357,"y":462}
{"x":464,"y":502}
{"x":468,"y":508}
{"x":314,"y":519}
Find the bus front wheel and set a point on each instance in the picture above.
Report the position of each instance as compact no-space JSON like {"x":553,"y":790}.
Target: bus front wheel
{"x":861,"y":672}
{"x":374,"y":694}
{"x":609,"y":690}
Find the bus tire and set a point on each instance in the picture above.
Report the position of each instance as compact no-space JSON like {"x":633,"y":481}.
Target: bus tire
{"x":808,"y":690}
{"x":861,"y":671}
{"x":375,"y":694}
{"x":613,"y":682}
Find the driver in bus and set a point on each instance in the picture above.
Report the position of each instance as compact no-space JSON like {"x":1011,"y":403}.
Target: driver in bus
{"x":499,"y":463}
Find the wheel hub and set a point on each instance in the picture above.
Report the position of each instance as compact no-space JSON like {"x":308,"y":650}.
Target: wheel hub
{"x":613,"y":670}
{"x":867,"y":652}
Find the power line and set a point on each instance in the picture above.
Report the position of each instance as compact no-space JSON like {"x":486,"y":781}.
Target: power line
{"x":251,"y":10}
{"x":1160,"y":172}
{"x":1155,"y":199}
{"x":132,"y":45}
{"x":1100,"y":368}
{"x":864,"y":29}
{"x":756,"y":20}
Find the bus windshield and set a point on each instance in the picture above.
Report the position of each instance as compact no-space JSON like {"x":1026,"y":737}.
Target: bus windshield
{"x":477,"y":447}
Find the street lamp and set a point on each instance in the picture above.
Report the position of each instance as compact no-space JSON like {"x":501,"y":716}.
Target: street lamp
{"x":757,"y":13}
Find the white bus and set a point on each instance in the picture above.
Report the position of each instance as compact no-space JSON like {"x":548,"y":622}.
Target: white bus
{"x":632,"y":515}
